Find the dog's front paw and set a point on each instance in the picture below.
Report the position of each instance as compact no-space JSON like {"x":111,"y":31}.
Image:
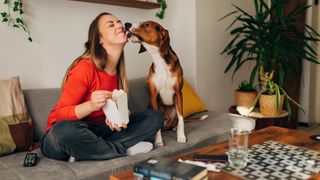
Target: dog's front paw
{"x":158,"y":144}
{"x":182,"y":139}
{"x":158,"y":140}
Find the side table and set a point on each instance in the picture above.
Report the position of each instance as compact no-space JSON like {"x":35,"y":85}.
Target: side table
{"x":265,"y":121}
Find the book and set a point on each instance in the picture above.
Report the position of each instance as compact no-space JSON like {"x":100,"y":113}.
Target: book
{"x":164,"y":168}
{"x":116,"y":108}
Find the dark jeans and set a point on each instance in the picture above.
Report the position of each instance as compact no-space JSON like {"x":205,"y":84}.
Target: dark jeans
{"x":91,"y":141}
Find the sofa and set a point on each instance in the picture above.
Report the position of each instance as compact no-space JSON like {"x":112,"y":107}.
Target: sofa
{"x":39,"y":102}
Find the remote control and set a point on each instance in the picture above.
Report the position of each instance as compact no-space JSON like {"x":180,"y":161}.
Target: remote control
{"x":30,"y":160}
{"x":315,"y":137}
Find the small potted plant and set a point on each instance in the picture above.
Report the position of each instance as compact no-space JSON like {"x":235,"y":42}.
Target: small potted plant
{"x":245,"y":94}
{"x":272,"y":96}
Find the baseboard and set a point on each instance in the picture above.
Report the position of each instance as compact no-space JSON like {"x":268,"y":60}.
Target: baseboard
{"x":303,"y":124}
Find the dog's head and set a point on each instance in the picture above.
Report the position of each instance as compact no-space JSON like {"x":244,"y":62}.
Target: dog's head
{"x":149,"y":33}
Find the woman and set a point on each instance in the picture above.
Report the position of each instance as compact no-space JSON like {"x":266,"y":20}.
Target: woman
{"x":77,"y":126}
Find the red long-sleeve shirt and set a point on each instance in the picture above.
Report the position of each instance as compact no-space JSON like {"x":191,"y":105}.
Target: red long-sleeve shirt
{"x":82,"y":80}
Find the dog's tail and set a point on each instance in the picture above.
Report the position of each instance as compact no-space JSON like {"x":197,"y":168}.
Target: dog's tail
{"x":196,"y":119}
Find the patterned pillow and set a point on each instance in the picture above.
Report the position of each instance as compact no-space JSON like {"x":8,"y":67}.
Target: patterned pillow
{"x":15,"y":124}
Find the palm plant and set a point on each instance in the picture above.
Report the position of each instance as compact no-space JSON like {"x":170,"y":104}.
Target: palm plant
{"x":270,"y":39}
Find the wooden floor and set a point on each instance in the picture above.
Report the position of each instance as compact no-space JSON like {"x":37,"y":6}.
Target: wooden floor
{"x":313,"y":129}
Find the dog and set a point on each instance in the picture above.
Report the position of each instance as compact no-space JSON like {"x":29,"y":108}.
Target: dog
{"x":165,"y":78}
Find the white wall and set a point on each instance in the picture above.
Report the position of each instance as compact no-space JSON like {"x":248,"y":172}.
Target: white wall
{"x":315,"y":73}
{"x":317,"y":104}
{"x":59,"y":29}
{"x":306,"y":87}
{"x":214,"y":86}
{"x":310,"y":84}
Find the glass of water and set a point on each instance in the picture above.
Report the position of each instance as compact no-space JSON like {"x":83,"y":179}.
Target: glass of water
{"x":238,"y":148}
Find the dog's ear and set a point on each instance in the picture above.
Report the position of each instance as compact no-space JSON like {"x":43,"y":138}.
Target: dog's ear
{"x":165,"y":41}
{"x":142,"y":49}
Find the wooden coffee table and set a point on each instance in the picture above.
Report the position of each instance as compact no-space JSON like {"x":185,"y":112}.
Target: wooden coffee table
{"x":282,"y":135}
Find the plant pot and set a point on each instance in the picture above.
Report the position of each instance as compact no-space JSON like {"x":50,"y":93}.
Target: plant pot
{"x":268,"y":105}
{"x":244,"y":98}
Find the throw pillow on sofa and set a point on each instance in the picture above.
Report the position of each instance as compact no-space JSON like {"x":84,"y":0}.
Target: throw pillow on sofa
{"x":191,"y":101}
{"x":15,"y":124}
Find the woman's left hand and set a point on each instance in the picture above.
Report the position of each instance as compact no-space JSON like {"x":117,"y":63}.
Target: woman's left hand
{"x":116,"y":127}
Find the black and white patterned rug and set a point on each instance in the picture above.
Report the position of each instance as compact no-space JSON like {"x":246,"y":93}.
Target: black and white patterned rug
{"x":274,"y":160}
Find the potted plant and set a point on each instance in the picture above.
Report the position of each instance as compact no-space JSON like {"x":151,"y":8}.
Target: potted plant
{"x":245,"y":94}
{"x":272,"y":96}
{"x":14,"y":15}
{"x":270,"y":39}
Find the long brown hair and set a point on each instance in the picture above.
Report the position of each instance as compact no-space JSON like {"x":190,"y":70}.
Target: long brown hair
{"x":99,"y":55}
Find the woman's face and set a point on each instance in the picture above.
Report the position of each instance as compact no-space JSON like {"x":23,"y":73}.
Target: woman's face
{"x":112,"y":31}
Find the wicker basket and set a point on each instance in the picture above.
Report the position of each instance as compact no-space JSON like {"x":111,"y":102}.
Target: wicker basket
{"x":268,"y":106}
{"x":244,"y":98}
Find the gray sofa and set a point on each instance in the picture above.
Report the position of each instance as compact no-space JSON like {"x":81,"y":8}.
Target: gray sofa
{"x":40,"y":101}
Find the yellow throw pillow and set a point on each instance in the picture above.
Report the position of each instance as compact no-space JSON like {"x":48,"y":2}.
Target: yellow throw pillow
{"x":191,"y":102}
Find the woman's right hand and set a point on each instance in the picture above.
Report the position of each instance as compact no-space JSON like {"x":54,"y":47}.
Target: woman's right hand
{"x":99,"y":98}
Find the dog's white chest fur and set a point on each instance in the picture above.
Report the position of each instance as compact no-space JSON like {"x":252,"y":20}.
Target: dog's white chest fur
{"x":162,"y":78}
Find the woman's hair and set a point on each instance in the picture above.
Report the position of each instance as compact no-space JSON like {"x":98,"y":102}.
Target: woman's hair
{"x":94,"y":50}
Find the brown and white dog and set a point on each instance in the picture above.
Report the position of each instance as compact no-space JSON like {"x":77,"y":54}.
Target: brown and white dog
{"x":165,"y":79}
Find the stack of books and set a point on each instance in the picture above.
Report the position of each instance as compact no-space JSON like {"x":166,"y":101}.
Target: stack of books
{"x":164,"y":168}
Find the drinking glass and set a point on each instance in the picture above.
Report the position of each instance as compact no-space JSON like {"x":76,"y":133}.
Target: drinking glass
{"x":238,"y":148}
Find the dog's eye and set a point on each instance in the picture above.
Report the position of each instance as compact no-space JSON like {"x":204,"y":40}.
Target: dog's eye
{"x":158,"y":28}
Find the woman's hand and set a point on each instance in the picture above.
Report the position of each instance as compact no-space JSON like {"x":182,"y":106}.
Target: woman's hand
{"x":99,"y":98}
{"x":115,"y":127}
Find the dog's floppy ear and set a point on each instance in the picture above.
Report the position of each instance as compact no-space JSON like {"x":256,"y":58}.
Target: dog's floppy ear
{"x":142,"y":49}
{"x":165,"y":41}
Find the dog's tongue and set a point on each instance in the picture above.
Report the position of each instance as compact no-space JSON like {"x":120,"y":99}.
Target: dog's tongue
{"x":142,"y":49}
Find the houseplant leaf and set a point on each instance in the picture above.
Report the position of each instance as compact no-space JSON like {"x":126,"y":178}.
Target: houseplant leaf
{"x":278,"y":97}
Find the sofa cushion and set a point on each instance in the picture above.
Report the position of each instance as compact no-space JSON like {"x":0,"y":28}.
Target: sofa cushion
{"x":14,"y":118}
{"x":212,"y":130}
{"x":39,"y":103}
{"x":138,"y":95}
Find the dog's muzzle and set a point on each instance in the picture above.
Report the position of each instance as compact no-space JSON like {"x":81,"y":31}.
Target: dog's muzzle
{"x":136,"y":38}
{"x":127,"y":26}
